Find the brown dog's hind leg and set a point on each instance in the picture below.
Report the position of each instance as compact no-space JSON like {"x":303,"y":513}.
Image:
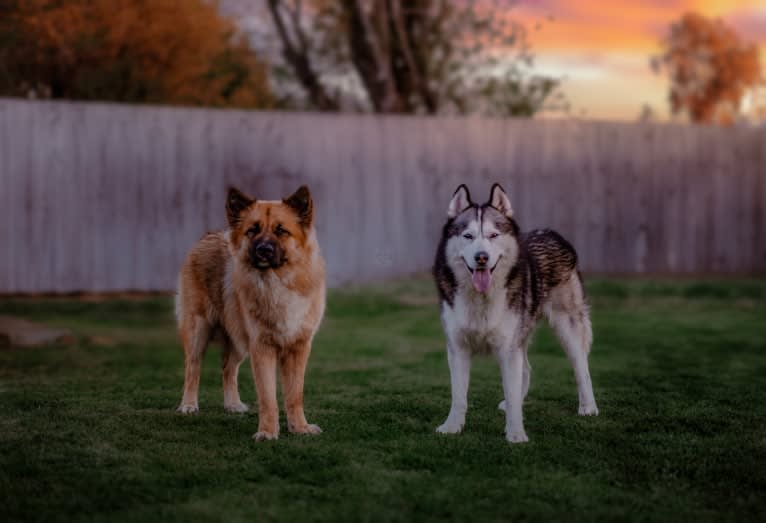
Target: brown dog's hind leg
{"x":231,"y":360}
{"x":195,"y":339}
{"x":293,"y":369}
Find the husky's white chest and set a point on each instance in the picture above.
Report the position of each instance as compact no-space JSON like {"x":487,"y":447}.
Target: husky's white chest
{"x":480,"y":324}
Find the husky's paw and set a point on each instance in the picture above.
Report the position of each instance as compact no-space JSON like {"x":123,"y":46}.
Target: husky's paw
{"x":501,"y":406}
{"x":237,"y":408}
{"x":187,"y":408}
{"x":265,"y":436}
{"x":588,"y":410}
{"x":449,"y":427}
{"x":307,"y":429}
{"x":516,"y":436}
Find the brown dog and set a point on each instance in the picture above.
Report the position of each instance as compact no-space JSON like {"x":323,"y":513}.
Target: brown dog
{"x":259,"y":287}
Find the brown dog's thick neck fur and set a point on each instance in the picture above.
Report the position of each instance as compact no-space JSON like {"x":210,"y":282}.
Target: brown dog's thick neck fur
{"x":269,"y":311}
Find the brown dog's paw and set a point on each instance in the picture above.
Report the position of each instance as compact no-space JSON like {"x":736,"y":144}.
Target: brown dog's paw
{"x":265,"y":436}
{"x":307,"y":429}
{"x":187,"y":408}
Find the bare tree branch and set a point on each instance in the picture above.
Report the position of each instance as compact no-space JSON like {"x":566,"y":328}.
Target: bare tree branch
{"x":298,"y":57}
{"x":404,"y":41}
{"x":370,"y":58}
{"x":427,"y":56}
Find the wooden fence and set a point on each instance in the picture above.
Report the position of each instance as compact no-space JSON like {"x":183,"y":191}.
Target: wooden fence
{"x":101,"y":197}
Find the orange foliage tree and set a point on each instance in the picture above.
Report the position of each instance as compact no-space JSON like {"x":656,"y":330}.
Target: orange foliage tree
{"x":710,"y":68}
{"x":156,"y":51}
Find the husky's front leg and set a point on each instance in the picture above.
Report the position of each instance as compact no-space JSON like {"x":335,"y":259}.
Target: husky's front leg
{"x":512,"y":370}
{"x":460,"y":374}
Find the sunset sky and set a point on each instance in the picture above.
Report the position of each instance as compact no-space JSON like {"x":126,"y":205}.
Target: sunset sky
{"x":602,"y":48}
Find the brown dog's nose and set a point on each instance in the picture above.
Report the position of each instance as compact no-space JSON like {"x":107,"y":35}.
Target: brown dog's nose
{"x":481,"y":258}
{"x":264,"y":250}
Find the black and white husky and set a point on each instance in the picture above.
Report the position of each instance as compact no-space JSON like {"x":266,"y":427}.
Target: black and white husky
{"x":494,"y":285}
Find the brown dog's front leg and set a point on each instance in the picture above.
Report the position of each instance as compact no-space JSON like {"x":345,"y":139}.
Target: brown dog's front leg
{"x":264,"y":363}
{"x":293,"y":367}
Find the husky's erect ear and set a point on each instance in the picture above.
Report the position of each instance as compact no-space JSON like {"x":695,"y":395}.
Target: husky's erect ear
{"x":461,"y":200}
{"x":300,"y":201}
{"x":499,"y":200}
{"x":236,"y":202}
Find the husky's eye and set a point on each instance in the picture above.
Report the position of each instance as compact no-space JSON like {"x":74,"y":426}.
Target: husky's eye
{"x":493,"y":235}
{"x":254,"y":230}
{"x":281,"y":231}
{"x":468,"y":236}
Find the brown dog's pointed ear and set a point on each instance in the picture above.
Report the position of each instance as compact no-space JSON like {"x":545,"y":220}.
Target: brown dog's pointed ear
{"x":300,"y":201}
{"x":461,"y":200}
{"x":236,"y":202}
{"x":499,"y":200}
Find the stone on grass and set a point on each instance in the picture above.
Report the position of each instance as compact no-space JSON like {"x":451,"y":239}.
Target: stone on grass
{"x":18,"y":332}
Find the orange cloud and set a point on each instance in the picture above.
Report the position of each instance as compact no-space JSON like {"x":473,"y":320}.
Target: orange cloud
{"x":626,"y":25}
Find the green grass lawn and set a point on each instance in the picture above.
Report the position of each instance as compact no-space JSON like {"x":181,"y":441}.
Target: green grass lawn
{"x":90,"y":432}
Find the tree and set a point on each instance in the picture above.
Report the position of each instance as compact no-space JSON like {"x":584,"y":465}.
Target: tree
{"x":710,"y":68}
{"x":161,"y":51}
{"x":411,"y":56}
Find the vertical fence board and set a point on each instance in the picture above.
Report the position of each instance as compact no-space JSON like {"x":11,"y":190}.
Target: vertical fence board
{"x":7,"y":194}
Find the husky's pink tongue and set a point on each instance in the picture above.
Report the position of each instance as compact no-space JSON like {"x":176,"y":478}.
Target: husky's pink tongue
{"x":481,"y":280}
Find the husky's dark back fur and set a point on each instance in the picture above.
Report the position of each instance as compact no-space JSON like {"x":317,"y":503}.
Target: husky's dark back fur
{"x":546,"y":259}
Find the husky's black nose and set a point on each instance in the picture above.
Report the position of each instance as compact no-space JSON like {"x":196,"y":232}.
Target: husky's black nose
{"x":264,"y":251}
{"x":482,"y":258}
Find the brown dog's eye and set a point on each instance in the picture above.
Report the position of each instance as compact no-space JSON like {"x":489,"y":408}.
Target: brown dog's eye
{"x":255,"y":229}
{"x":281,"y":231}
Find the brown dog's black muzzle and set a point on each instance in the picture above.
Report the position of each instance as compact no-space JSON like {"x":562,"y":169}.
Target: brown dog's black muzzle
{"x":266,"y":255}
